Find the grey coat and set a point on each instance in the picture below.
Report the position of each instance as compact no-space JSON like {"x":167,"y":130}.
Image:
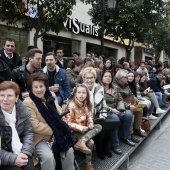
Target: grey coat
{"x":25,"y":132}
{"x":100,"y":106}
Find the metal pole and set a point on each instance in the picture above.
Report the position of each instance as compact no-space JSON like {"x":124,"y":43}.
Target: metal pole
{"x":102,"y":27}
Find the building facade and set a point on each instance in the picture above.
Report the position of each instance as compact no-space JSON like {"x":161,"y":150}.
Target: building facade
{"x":80,"y":35}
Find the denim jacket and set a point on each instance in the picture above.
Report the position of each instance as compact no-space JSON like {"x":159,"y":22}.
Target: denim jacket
{"x":61,"y":79}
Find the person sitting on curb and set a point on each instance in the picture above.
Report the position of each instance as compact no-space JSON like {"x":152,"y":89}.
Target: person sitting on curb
{"x":80,"y":120}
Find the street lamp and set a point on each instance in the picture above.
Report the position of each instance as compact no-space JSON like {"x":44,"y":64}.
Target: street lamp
{"x":110,"y":4}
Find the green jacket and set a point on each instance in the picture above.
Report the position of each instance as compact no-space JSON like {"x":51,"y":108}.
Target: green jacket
{"x":73,"y":77}
{"x":124,"y":90}
{"x":115,"y":101}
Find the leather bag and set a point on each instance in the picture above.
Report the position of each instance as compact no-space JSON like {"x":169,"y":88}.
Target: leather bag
{"x":146,"y":125}
{"x":130,"y":99}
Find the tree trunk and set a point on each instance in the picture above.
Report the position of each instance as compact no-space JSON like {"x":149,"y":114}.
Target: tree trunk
{"x":128,"y":53}
{"x":35,"y":38}
{"x":128,"y":48}
{"x":38,"y":35}
{"x":157,"y":55}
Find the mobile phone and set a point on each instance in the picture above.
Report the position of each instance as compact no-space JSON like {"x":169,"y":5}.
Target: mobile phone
{"x":147,"y":90}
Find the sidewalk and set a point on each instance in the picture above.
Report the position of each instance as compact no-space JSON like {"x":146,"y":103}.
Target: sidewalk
{"x":154,"y":152}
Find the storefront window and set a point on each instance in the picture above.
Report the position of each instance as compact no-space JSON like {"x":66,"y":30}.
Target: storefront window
{"x":67,"y":44}
{"x":96,"y":49}
{"x":19,"y":35}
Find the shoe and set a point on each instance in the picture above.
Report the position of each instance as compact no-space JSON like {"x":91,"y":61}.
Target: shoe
{"x":160,"y":111}
{"x":101,"y":155}
{"x":139,"y":133}
{"x":89,"y":166}
{"x":156,"y":115}
{"x":129,"y":142}
{"x":152,"y":117}
{"x":117,"y":150}
{"x":142,"y":131}
{"x":81,"y":146}
{"x":161,"y":104}
{"x":107,"y":151}
{"x":135,"y":140}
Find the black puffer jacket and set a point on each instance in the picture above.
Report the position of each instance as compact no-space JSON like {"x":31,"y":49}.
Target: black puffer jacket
{"x":20,"y":76}
{"x":17,"y":59}
{"x":25,"y":132}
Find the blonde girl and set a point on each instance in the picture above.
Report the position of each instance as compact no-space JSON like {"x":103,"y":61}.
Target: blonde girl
{"x":80,"y":120}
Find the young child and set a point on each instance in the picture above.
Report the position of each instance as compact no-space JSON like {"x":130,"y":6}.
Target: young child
{"x":80,"y":121}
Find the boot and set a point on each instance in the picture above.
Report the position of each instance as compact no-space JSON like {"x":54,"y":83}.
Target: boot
{"x":81,"y":146}
{"x":107,"y":152}
{"x":101,"y":154}
{"x":89,"y":166}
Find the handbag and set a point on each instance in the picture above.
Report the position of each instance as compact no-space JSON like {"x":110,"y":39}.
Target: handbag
{"x":130,"y":99}
{"x":146,"y":125}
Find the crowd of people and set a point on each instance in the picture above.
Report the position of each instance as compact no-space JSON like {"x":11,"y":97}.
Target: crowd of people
{"x":101,"y":95}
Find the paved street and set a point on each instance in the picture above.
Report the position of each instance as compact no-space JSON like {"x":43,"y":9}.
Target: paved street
{"x":154,"y":152}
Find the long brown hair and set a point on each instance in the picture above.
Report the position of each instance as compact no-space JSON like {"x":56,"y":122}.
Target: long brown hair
{"x":107,"y":71}
{"x":143,"y":85}
{"x":87,"y":100}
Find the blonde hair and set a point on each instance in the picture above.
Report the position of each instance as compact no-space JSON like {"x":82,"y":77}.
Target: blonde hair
{"x":88,"y":64}
{"x":89,"y":70}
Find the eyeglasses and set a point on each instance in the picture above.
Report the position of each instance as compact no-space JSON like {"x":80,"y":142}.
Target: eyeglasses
{"x":89,"y":78}
{"x":125,"y":77}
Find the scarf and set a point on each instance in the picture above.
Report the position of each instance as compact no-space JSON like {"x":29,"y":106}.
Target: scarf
{"x":110,"y":91}
{"x":11,"y":120}
{"x":62,"y":133}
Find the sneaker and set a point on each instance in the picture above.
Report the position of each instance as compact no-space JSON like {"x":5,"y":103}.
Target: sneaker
{"x":160,"y":111}
{"x":117,"y":150}
{"x":135,"y":139}
{"x":139,"y":133}
{"x":129,"y":142}
{"x":152,"y":117}
{"x":142,"y":130}
{"x":154,"y":114}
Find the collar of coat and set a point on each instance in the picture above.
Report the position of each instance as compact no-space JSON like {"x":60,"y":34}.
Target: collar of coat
{"x":98,"y":92}
{"x":21,"y":113}
{"x":45,"y":69}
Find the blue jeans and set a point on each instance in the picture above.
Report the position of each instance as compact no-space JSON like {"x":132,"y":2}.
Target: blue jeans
{"x":126,"y":121}
{"x":59,"y":99}
{"x":160,"y":97}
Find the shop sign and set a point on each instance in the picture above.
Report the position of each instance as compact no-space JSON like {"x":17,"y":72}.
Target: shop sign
{"x":149,"y":50}
{"x":78,"y":27}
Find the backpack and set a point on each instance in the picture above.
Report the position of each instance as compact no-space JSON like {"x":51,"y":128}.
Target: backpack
{"x":5,"y":72}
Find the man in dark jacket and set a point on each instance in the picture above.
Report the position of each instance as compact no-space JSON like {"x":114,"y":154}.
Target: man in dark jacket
{"x":155,"y":85}
{"x":8,"y":55}
{"x":21,"y":74}
{"x":61,"y":62}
